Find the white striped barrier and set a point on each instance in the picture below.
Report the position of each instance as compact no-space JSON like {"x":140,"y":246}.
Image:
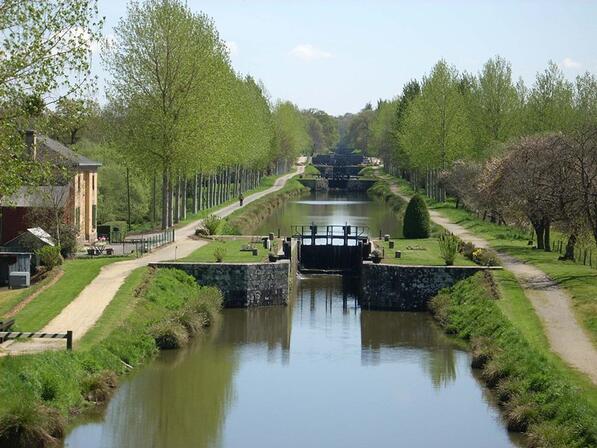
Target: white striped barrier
{"x":33,"y":335}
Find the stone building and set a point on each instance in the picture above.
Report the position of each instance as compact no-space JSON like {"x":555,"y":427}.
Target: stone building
{"x":74,"y":191}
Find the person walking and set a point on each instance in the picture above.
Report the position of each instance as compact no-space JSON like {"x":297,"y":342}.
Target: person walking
{"x":241,"y":198}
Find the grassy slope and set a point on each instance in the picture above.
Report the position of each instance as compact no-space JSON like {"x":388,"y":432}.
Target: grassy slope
{"x":536,"y":392}
{"x":233,"y":253}
{"x":419,"y":251}
{"x":38,"y":388}
{"x":77,"y":274}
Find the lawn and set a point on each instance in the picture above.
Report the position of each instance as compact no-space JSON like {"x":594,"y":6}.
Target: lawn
{"x":232,"y":251}
{"x":417,"y":252}
{"x":77,"y":274}
{"x":9,"y":298}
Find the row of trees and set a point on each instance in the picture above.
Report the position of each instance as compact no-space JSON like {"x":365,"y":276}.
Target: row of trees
{"x":515,"y":153}
{"x":179,"y":120}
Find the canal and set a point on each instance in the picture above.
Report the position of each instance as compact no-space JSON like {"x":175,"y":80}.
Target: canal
{"x":320,"y":372}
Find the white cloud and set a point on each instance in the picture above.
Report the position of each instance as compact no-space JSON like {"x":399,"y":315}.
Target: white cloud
{"x":232,"y":47}
{"x":308,"y":52}
{"x":570,"y":63}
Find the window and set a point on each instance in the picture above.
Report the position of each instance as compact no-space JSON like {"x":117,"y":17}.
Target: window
{"x":78,"y":182}
{"x":94,"y":216}
{"x":92,"y":181}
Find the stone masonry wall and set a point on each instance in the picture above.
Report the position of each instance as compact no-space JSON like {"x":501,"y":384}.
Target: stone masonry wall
{"x":242,"y":284}
{"x":407,"y":288}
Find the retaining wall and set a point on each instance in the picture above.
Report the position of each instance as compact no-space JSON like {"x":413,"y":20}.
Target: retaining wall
{"x":408,"y":288}
{"x":242,"y":284}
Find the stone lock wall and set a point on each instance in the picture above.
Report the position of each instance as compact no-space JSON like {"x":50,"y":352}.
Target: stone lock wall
{"x":242,"y":284}
{"x":407,"y":288}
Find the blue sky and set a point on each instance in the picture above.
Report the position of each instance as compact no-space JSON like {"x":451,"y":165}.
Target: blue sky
{"x":337,"y":55}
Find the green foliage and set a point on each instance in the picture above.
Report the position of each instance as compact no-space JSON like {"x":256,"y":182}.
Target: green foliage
{"x":45,"y":54}
{"x":49,"y":256}
{"x":536,"y":396}
{"x":219,"y":253}
{"x":212,"y":223}
{"x":311,"y":170}
{"x":448,"y":246}
{"x":416,"y":219}
{"x":435,"y":130}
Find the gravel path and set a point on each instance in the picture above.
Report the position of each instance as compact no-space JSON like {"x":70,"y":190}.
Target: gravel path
{"x":84,"y":311}
{"x":551,"y":303}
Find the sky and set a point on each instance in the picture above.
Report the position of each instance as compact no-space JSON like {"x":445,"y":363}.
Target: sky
{"x":338,"y":55}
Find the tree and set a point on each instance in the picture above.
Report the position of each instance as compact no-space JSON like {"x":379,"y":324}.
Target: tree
{"x":71,"y":118}
{"x":494,"y":100}
{"x":382,"y":137}
{"x":435,"y":130}
{"x":416,"y":219}
{"x":167,"y":65}
{"x":316,"y":134}
{"x":550,"y":102}
{"x":290,"y":131}
{"x":44,"y":55}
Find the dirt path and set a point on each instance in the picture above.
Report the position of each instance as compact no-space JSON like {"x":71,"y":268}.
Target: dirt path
{"x":84,"y":311}
{"x":551,"y":303}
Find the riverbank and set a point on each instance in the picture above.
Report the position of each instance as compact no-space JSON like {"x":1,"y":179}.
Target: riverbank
{"x":564,"y":304}
{"x":41,"y":393}
{"x":536,"y":396}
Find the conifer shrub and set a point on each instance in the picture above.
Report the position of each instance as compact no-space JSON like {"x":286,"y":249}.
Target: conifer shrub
{"x":416,"y":219}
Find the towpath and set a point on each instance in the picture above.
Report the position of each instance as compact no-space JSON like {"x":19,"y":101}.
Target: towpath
{"x":84,"y":311}
{"x":552,"y":304}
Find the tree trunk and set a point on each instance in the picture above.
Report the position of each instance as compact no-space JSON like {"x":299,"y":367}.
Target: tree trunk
{"x":154,"y":200}
{"x":184,"y":197}
{"x":170,"y":201}
{"x":165,"y":199}
{"x":128,"y":198}
{"x":540,"y":233}
{"x":547,"y":235}
{"x":195,"y":195}
{"x":570,"y":245}
{"x":200,"y":191}
{"x":177,"y":201}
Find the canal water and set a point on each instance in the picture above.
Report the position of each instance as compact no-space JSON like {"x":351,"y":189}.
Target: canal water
{"x":320,"y":372}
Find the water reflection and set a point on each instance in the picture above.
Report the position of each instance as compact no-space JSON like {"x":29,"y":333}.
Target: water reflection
{"x":328,"y":208}
{"x":320,"y":372}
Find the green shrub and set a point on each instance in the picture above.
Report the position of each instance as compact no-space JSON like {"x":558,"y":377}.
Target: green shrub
{"x":219,"y":253}
{"x":49,"y":256}
{"x":212,"y":223}
{"x":416,"y":219}
{"x":448,"y":247}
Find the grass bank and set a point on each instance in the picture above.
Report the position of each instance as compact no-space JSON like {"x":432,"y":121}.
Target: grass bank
{"x":536,"y":395}
{"x":152,"y":310}
{"x":246,"y":219}
{"x":78,"y":273}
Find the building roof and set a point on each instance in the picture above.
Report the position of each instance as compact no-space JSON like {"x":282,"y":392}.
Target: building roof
{"x":43,"y":196}
{"x":50,"y":149}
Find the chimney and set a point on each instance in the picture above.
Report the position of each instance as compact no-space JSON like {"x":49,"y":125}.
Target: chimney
{"x":31,"y":142}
